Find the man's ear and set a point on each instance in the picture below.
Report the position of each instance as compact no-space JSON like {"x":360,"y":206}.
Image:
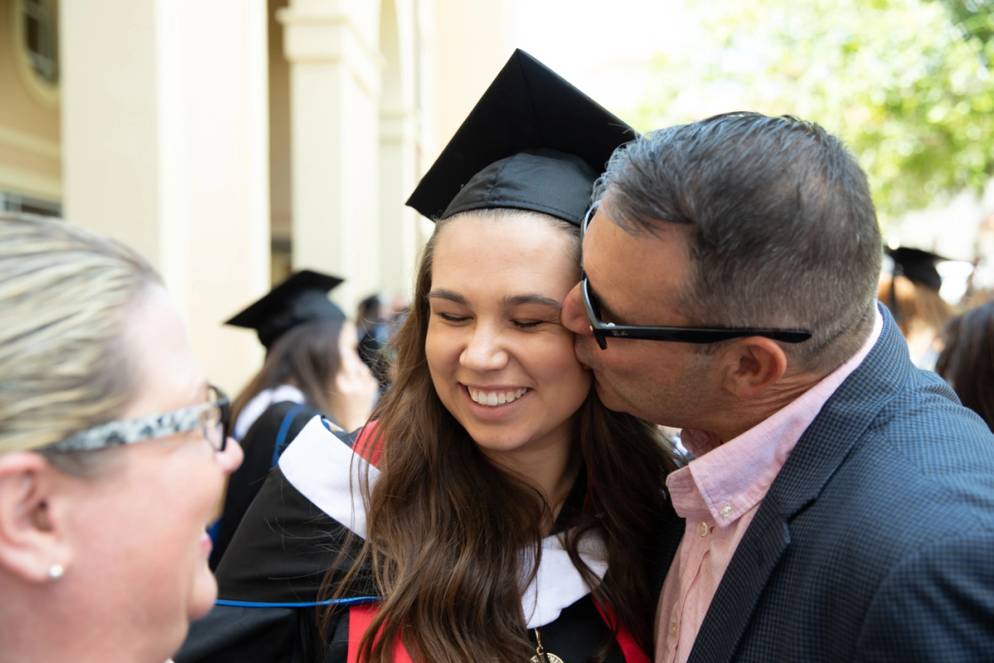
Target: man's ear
{"x":32,"y":532}
{"x":751,"y":366}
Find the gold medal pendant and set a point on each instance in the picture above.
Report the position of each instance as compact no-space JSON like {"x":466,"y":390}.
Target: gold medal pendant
{"x":546,"y":657}
{"x":542,"y":656}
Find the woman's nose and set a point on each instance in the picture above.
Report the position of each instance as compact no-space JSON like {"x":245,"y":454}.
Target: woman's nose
{"x":484,"y":351}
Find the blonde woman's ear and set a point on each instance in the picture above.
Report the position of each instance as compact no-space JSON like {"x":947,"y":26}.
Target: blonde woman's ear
{"x":31,"y":538}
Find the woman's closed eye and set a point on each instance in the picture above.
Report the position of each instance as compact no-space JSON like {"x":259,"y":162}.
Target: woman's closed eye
{"x":528,"y":324}
{"x":454,"y":318}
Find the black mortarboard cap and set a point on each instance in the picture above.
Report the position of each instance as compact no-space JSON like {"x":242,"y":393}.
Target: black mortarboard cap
{"x":301,"y":298}
{"x":917,"y":266}
{"x":532,"y":142}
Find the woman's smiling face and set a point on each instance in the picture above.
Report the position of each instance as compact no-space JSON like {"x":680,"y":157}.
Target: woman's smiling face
{"x":499,"y":358}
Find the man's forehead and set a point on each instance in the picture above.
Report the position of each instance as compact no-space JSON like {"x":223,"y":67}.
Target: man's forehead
{"x":661,"y":240}
{"x":636,"y":273}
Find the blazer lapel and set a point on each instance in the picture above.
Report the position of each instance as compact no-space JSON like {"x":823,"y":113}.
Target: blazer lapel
{"x":819,"y":452}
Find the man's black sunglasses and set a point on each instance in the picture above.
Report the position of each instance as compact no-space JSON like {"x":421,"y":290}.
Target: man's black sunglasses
{"x":601,"y":330}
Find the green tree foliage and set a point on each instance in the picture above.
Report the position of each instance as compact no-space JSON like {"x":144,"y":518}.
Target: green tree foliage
{"x":906,"y":83}
{"x":976,"y":19}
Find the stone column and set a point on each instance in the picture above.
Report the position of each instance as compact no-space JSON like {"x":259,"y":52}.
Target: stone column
{"x":399,"y":241}
{"x":165,"y":146}
{"x":334,"y":90}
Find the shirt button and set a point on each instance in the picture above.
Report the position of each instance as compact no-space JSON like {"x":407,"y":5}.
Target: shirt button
{"x":673,"y":628}
{"x":703,"y":529}
{"x":726,"y":510}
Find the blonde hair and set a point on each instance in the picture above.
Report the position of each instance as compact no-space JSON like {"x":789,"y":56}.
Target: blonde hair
{"x":64,"y":298}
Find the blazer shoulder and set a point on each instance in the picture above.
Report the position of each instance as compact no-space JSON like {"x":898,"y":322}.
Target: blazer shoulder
{"x":937,"y":603}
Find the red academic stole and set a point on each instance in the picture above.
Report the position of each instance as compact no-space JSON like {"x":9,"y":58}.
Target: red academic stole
{"x":361,"y":616}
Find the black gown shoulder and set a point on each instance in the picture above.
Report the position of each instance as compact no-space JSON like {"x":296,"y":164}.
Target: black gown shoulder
{"x":262,"y":445}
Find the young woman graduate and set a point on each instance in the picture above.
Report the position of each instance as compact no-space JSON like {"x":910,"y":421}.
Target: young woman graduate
{"x":312,"y":367}
{"x":495,"y":511}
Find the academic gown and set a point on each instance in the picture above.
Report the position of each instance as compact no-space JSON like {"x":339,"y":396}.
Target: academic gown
{"x":262,"y":444}
{"x":306,"y":511}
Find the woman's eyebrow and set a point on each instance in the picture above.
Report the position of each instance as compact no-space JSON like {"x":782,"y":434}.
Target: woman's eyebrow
{"x":447,"y":294}
{"x":512,"y":300}
{"x":541,"y":300}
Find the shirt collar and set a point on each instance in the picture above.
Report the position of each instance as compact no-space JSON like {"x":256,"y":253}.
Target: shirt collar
{"x":726,"y":481}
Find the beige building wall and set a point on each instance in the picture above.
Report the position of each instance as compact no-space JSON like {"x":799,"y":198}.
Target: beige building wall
{"x":165,"y":147}
{"x":332,"y":52}
{"x":400,"y":120}
{"x":30,"y":154}
{"x":468,"y":44}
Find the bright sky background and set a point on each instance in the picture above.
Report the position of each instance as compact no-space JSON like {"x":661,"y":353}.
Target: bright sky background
{"x":602,"y":47}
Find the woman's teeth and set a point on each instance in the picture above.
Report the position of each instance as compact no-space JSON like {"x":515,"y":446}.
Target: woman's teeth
{"x":495,"y":398}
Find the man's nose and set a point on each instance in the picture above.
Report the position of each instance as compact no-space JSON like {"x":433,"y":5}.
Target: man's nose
{"x":574,"y":315}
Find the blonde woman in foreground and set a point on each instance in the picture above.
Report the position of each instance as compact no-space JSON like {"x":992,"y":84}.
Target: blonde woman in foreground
{"x":112,"y":453}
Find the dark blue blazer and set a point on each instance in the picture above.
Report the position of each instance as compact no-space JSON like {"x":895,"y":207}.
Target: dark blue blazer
{"x":876,"y":540}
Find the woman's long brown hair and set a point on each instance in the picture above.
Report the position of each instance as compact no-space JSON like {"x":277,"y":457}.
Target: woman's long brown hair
{"x":447,"y":530}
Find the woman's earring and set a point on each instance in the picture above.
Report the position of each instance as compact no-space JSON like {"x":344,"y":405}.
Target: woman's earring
{"x":56,"y":571}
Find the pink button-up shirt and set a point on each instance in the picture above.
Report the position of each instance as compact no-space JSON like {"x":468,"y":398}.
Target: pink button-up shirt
{"x":718,"y":493}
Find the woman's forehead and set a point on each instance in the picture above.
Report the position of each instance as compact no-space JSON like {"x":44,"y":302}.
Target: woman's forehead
{"x":170,"y":377}
{"x":478,"y":235}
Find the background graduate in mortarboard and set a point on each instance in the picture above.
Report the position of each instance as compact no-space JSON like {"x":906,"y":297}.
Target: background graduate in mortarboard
{"x":910,"y":289}
{"x":311,"y":369}
{"x":536,"y":144}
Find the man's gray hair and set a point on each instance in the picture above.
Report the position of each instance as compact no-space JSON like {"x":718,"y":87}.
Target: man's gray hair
{"x":783,"y":230}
